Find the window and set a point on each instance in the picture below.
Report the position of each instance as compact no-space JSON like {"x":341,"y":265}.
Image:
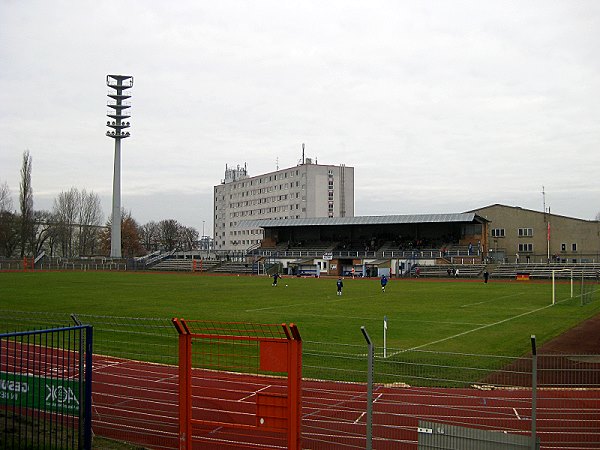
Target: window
{"x":574,"y":247}
{"x":526,"y":248}
{"x":497,"y":232}
{"x":525,"y":232}
{"x":563,"y":247}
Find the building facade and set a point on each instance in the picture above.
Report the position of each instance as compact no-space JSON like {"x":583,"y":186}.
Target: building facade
{"x":523,"y":235}
{"x":307,"y":190}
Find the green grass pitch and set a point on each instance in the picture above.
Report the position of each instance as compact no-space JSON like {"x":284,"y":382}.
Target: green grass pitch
{"x":442,"y":315}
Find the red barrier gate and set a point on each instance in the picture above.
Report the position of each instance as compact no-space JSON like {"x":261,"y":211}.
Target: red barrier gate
{"x":224,"y":353}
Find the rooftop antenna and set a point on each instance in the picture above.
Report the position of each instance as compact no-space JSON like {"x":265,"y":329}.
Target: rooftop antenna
{"x":277,"y":162}
{"x":303,"y":153}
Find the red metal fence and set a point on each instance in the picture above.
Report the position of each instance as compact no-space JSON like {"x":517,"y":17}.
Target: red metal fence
{"x":227,"y":349}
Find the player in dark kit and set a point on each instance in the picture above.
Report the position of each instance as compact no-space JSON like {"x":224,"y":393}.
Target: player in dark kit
{"x":275,"y":278}
{"x":384,"y":281}
{"x":340,"y":285}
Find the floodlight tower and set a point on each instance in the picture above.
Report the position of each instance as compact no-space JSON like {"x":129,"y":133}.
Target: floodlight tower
{"x":119,"y":113}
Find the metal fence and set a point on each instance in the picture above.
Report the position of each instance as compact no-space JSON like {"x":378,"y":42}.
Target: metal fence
{"x":56,"y":263}
{"x":136,"y":391}
{"x":45,"y":388}
{"x":550,"y":398}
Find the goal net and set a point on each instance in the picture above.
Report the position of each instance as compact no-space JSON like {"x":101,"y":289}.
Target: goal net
{"x":588,"y":282}
{"x":581,"y":285}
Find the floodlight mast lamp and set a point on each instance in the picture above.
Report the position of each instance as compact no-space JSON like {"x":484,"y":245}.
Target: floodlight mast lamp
{"x":119,"y":113}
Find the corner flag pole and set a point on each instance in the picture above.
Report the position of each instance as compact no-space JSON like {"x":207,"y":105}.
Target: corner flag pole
{"x":385,"y":337}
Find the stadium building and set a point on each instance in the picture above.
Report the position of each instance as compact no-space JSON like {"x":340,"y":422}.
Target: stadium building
{"x":300,"y":220}
{"x":372,"y":245}
{"x":518,"y":235}
{"x":308,"y":190}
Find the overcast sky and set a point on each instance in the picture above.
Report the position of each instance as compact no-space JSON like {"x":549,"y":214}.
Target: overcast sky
{"x":440,"y":106}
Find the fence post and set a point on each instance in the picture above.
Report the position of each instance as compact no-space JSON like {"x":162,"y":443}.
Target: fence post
{"x":369,"y":389}
{"x":533,"y":392}
{"x":87,"y":426}
{"x":294,"y":388}
{"x":185,"y":385}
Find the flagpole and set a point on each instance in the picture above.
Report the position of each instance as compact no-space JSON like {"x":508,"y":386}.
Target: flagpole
{"x":384,"y":337}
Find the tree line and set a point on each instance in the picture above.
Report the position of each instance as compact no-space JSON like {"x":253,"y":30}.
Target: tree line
{"x":74,"y":227}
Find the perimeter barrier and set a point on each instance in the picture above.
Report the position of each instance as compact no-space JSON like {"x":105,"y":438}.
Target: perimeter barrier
{"x":414,"y":391}
{"x":226,"y":350}
{"x":46,"y":388}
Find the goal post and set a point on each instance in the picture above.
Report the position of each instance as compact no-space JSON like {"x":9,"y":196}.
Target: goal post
{"x":583,"y":284}
{"x":588,"y":286}
{"x":562,"y":274}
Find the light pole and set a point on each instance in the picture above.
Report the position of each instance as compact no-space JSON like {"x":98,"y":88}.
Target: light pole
{"x":202,"y":239}
{"x":118,"y":112}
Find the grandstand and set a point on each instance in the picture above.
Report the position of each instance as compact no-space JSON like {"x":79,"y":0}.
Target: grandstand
{"x":374,"y":245}
{"x":396,"y":245}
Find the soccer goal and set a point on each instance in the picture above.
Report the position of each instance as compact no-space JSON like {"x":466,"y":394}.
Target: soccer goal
{"x":562,"y":285}
{"x":588,"y":286}
{"x":575,"y":284}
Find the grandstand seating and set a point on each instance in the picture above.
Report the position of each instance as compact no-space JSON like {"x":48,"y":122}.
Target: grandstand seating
{"x":441,"y":270}
{"x":180,"y":264}
{"x":545,"y":270}
{"x":173,"y":264}
{"x":234,"y":267}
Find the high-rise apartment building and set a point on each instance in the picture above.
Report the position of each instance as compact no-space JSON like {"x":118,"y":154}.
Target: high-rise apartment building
{"x":305,"y":191}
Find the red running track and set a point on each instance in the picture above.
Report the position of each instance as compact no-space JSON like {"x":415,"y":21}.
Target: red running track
{"x":138,"y":402}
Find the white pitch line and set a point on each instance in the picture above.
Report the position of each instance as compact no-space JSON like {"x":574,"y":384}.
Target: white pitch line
{"x":475,"y":329}
{"x":359,"y":417}
{"x":324,"y":316}
{"x":492,"y":300}
{"x":516,"y":413}
{"x":292,"y":305}
{"x":254,"y":393}
{"x":363,"y":414}
{"x":97,"y":367}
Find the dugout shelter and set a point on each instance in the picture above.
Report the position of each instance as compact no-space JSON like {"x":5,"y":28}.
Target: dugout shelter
{"x":392,"y":244}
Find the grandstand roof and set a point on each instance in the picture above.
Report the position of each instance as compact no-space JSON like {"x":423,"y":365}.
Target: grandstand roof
{"x":365,"y":220}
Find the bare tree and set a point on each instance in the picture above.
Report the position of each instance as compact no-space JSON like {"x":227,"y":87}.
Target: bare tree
{"x":65,"y":210}
{"x":188,"y":237}
{"x":9,"y":233}
{"x":598,"y":216}
{"x":169,"y":234}
{"x":150,"y":236}
{"x":41,"y":230}
{"x":9,"y":226}
{"x":5,"y":198}
{"x":26,"y":201}
{"x":89,"y":220}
